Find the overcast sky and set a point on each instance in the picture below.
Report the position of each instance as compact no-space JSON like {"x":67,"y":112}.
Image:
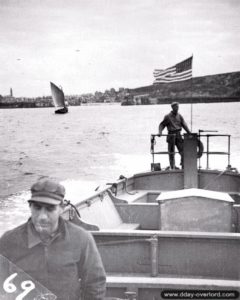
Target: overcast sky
{"x":89,"y":45}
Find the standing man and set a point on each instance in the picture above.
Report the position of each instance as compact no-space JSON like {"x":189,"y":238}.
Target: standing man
{"x":174,"y":123}
{"x":58,"y":254}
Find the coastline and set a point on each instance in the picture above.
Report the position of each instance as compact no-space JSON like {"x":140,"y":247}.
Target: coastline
{"x":151,"y":101}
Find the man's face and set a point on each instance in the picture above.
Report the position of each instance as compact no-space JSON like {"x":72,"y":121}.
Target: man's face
{"x":175,"y":108}
{"x":45,"y":217}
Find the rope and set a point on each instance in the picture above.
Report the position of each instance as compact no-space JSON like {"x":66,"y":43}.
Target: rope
{"x":220,"y":174}
{"x":125,"y":185}
{"x":67,"y":202}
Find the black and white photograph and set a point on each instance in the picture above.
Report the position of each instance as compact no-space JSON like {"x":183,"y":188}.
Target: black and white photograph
{"x":119,"y":149}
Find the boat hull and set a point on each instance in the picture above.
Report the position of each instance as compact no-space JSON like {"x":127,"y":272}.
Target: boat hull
{"x":150,"y":260}
{"x":63,"y":110}
{"x":168,"y":229}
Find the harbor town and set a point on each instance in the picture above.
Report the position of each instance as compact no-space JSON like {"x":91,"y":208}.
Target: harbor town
{"x":205,"y":89}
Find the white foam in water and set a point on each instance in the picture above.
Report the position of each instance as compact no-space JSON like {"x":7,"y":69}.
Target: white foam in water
{"x":17,"y":206}
{"x":131,"y":164}
{"x":77,"y":190}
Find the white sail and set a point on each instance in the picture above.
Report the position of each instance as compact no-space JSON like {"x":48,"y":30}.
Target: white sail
{"x":57,"y":96}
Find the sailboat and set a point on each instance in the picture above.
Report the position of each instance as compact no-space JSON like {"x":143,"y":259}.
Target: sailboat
{"x":58,"y":99}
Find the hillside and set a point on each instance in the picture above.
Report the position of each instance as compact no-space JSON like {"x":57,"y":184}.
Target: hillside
{"x":212,"y":88}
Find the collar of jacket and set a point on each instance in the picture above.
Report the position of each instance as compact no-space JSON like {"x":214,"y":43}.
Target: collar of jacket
{"x":174,"y":114}
{"x":34,"y":239}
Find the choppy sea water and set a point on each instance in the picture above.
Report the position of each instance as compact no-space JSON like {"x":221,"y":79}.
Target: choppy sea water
{"x":92,"y":145}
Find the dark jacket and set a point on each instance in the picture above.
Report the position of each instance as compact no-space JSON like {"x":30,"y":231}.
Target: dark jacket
{"x":174,"y":122}
{"x":70,"y":256}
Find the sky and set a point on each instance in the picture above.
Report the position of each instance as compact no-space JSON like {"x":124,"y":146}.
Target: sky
{"x":94,"y":45}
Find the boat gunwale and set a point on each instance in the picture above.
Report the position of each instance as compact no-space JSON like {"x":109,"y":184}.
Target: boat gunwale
{"x":211,"y":171}
{"x":120,"y":280}
{"x":85,"y":202}
{"x":168,"y":234}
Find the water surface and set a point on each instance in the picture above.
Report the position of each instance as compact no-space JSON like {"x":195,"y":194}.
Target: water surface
{"x":92,"y":145}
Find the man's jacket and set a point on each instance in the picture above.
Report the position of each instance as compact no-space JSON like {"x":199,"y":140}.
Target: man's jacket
{"x":69,"y":266}
{"x":174,"y":123}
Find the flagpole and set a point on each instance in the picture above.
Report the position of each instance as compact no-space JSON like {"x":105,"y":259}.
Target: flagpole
{"x":191,"y":106}
{"x":191,"y":100}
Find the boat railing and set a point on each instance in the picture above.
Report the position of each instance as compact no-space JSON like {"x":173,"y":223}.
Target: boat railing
{"x":202,"y":137}
{"x":208,"y":152}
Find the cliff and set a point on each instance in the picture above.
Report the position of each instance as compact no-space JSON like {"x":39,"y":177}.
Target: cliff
{"x":212,"y":88}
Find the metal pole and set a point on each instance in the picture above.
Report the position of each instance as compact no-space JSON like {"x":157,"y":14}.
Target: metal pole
{"x":152,"y":146}
{"x":174,"y":138}
{"x":191,"y":115}
{"x":191,"y":103}
{"x":154,"y":255}
{"x":159,"y":215}
{"x":207,"y":151}
{"x":199,"y":161}
{"x":229,"y":150}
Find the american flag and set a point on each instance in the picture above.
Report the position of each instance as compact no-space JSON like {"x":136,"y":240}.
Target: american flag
{"x":180,"y":72}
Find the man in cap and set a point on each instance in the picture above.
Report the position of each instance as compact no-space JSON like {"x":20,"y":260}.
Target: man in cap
{"x":58,"y":254}
{"x":174,"y":123}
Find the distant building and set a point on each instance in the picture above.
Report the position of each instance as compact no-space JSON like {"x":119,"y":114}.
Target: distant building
{"x":141,"y":99}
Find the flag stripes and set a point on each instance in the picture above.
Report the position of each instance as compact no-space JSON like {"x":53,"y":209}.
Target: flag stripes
{"x":159,"y":73}
{"x":180,"y":72}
